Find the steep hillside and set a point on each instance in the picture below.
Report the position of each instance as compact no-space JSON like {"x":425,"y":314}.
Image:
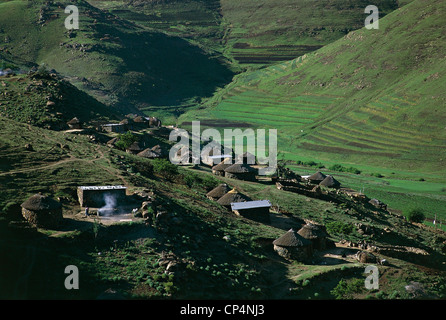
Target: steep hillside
{"x":372,"y":98}
{"x":114,"y":60}
{"x":251,"y":33}
{"x":44,"y":99}
{"x":264,"y":32}
{"x":194,"y":248}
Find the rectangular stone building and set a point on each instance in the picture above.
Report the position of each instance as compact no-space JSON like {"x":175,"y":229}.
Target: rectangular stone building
{"x":96,"y":196}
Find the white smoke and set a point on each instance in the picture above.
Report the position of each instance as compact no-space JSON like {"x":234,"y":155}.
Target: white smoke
{"x":110,"y":205}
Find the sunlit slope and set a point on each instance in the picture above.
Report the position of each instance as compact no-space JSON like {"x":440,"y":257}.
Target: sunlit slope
{"x":267,"y":31}
{"x":113,"y":59}
{"x":374,"y":97}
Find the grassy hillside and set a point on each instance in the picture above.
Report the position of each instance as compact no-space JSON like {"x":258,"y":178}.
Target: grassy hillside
{"x":372,"y":97}
{"x":264,"y":32}
{"x":372,"y":100}
{"x":114,"y":60}
{"x":219,"y":255}
{"x":252,"y":34}
{"x":45,"y":99}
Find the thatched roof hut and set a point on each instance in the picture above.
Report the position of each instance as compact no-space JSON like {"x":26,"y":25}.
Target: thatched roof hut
{"x":292,"y":245}
{"x":246,"y":157}
{"x":74,"y":123}
{"x":154,"y":122}
{"x":231,"y":197}
{"x":148,"y":153}
{"x":218,"y":191}
{"x":219,"y":169}
{"x":317,"y":177}
{"x":134,"y":148}
{"x":241,"y":171}
{"x":158,"y":149}
{"x":316,"y":234}
{"x":140,"y":119}
{"x":112,"y":142}
{"x":185,"y":156}
{"x":330,"y":182}
{"x":42,"y":211}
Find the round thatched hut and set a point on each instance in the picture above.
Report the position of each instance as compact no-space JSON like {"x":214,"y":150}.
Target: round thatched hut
{"x":293,"y":246}
{"x":42,"y":211}
{"x":247,"y":158}
{"x":219,"y":169}
{"x":112,"y":142}
{"x":366,"y":257}
{"x":316,"y":234}
{"x":148,"y":153}
{"x":134,"y":148}
{"x":316,"y":178}
{"x":154,"y":122}
{"x":218,"y":191}
{"x":330,"y":182}
{"x":159,"y":150}
{"x":74,"y":123}
{"x":231,"y":197}
{"x":241,"y":171}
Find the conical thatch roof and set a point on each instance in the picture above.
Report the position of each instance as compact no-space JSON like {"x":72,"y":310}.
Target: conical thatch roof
{"x":231,"y":197}
{"x":312,"y":231}
{"x":222,"y":165}
{"x":246,"y":157}
{"x":40,"y":202}
{"x":134,"y":147}
{"x":318,"y":176}
{"x":139,"y":119}
{"x":240,"y":168}
{"x":113,"y":141}
{"x":331,"y":182}
{"x":157,"y":149}
{"x":148,"y":153}
{"x":219,"y":191}
{"x":291,"y":239}
{"x":74,"y":121}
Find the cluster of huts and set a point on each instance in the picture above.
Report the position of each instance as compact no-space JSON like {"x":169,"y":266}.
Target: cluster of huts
{"x":132,"y":122}
{"x":293,"y":245}
{"x":300,"y":245}
{"x":311,"y":185}
{"x":240,"y":204}
{"x":321,"y":179}
{"x":242,"y":169}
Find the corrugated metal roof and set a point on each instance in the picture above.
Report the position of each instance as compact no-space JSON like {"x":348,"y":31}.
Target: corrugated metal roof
{"x":250,"y":204}
{"x":102,"y":187}
{"x":221,"y":156}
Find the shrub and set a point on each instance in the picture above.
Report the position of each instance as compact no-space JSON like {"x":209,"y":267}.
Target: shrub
{"x":416,"y":215}
{"x":338,"y":227}
{"x":164,"y":167}
{"x":345,"y":289}
{"x":378,"y":175}
{"x":340,"y":168}
{"x":125,"y":140}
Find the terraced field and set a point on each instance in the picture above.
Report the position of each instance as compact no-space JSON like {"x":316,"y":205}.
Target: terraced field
{"x":372,"y":129}
{"x":261,"y":108}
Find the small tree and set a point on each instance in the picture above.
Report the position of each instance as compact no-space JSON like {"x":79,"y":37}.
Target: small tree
{"x":416,"y":215}
{"x":125,"y":140}
{"x":164,"y":168}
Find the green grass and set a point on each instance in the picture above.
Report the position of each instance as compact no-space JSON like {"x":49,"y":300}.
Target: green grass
{"x":377,"y":110}
{"x":112,"y":59}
